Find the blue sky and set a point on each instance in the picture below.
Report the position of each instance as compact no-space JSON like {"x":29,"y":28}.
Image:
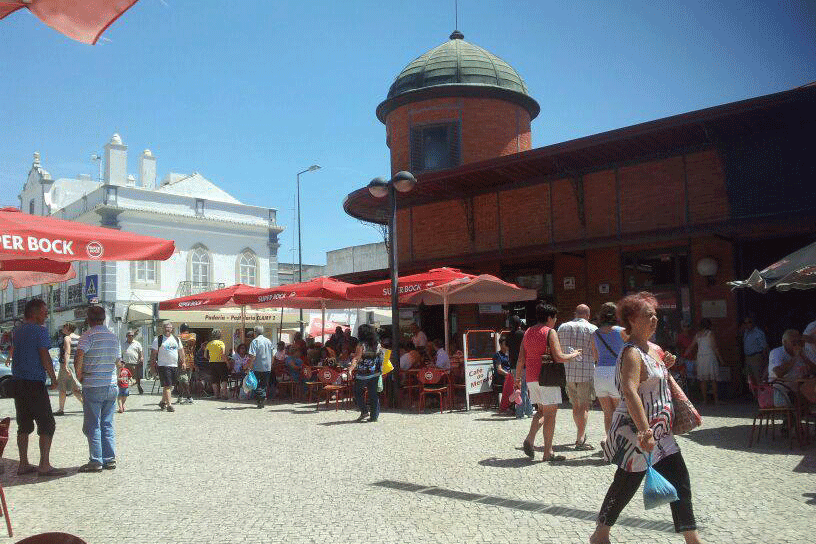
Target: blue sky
{"x":248,"y":93}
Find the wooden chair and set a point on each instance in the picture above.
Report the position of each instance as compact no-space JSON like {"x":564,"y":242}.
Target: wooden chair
{"x":285,"y":383}
{"x":4,"y":436}
{"x":433,"y":383}
{"x":313,"y":385}
{"x":409,"y":386}
{"x":334,"y":383}
{"x":764,"y":395}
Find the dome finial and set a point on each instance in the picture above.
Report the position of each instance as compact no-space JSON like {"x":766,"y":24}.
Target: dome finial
{"x":456,"y":35}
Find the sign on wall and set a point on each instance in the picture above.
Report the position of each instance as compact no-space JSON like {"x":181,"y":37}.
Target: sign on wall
{"x":714,"y":309}
{"x":92,"y":287}
{"x":603,"y":288}
{"x":569,"y":283}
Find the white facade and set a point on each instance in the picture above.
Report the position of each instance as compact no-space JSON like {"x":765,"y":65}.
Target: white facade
{"x":219,"y":240}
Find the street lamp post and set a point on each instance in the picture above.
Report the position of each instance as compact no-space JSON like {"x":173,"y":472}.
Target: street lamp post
{"x":312,"y":168}
{"x":403,"y":182}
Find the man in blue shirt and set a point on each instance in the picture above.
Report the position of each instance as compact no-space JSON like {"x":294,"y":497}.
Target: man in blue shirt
{"x":31,"y":363}
{"x":755,"y":348}
{"x":260,"y":352}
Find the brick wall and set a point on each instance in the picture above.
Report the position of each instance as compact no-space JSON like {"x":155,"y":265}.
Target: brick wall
{"x":652,"y":195}
{"x":707,"y":196}
{"x":525,"y":216}
{"x":725,"y":329}
{"x":490,"y":128}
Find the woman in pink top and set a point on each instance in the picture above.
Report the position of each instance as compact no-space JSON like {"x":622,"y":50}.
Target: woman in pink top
{"x":541,"y":339}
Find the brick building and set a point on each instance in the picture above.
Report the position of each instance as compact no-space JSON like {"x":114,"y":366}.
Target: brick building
{"x":677,"y":206}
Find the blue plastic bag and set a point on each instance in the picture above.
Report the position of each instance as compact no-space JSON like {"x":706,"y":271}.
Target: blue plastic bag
{"x":657,"y":490}
{"x":250,"y":383}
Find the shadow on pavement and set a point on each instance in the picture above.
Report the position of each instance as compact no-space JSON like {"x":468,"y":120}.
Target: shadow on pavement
{"x":736,"y":438}
{"x":342,"y":422}
{"x":528,"y":506}
{"x":10,"y":478}
{"x":516,"y":462}
{"x":811,"y":498}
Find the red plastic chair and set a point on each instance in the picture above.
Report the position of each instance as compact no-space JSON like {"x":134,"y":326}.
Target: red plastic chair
{"x":4,"y":436}
{"x":334,"y":383}
{"x":432,"y":384}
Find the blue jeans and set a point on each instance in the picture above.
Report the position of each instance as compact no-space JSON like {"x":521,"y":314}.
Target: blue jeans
{"x":297,"y":377}
{"x":370,"y":384}
{"x":98,"y":407}
{"x":526,"y":407}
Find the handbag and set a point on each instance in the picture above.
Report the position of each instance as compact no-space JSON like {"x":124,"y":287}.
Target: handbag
{"x":552,"y":374}
{"x":686,"y":416}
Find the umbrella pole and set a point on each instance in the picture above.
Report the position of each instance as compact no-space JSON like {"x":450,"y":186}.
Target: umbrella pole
{"x":322,"y":320}
{"x":243,"y":324}
{"x":447,"y":334}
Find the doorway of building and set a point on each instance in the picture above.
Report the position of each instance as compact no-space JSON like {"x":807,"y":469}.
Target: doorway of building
{"x":665,"y":273}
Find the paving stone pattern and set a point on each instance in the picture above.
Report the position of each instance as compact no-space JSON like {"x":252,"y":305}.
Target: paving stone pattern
{"x":224,"y":472}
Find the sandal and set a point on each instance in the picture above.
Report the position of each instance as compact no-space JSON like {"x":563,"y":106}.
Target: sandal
{"x":583,"y":445}
{"x":28,"y":470}
{"x":52,"y":472}
{"x":554,"y":459}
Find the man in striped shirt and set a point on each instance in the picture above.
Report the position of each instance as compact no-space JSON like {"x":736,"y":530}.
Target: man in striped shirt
{"x":97,"y":354}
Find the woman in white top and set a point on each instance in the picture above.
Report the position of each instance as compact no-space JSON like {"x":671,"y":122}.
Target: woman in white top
{"x":707,"y":358}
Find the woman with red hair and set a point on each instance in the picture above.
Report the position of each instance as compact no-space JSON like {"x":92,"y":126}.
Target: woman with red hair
{"x":641,"y":424}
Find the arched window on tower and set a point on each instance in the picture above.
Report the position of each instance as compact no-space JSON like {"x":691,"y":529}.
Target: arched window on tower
{"x":248,"y":268}
{"x":200,"y":269}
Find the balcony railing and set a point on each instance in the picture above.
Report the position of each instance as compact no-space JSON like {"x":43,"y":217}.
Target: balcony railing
{"x":187,"y":288}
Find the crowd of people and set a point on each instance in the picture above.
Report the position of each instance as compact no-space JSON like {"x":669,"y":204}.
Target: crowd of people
{"x":613,"y":359}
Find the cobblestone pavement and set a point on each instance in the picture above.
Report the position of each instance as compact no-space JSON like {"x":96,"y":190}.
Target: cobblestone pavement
{"x":225,"y":472}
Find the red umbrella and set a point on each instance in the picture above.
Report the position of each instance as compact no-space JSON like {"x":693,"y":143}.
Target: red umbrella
{"x":210,"y":300}
{"x":29,"y":239}
{"x":445,"y":286}
{"x":21,"y":279}
{"x":82,"y":20}
{"x":406,"y":285}
{"x":320,"y":292}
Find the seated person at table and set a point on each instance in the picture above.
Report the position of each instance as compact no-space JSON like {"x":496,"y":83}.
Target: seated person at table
{"x":313,"y":354}
{"x":294,"y":365}
{"x":437,"y":355}
{"x":344,"y":359}
{"x":239,"y":359}
{"x":501,"y":364}
{"x":409,"y":356}
{"x":280,"y":354}
{"x":788,"y":364}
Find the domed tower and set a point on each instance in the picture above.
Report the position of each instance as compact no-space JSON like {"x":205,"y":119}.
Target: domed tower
{"x":454,"y":105}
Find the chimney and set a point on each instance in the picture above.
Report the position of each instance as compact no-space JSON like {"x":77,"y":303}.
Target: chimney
{"x":147,"y":170}
{"x":116,"y":161}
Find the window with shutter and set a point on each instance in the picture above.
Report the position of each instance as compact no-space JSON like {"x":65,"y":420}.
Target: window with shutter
{"x":435,"y":147}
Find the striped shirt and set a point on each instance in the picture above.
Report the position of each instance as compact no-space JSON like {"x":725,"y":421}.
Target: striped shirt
{"x":577,"y":334}
{"x":102,"y":350}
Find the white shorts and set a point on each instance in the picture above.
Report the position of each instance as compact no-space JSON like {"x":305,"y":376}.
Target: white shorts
{"x":543,"y":395}
{"x":605,"y":382}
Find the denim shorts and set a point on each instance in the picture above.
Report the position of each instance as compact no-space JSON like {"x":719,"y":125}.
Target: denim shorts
{"x":123,"y":391}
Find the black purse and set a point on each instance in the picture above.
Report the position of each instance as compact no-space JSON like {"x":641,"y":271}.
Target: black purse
{"x":552,"y":374}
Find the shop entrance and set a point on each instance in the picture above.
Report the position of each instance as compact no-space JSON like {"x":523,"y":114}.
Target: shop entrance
{"x":666,"y":274}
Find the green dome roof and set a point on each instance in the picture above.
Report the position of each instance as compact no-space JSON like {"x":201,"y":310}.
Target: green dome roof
{"x":457,"y":68}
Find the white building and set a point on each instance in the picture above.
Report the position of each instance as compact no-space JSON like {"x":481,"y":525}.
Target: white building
{"x":220,"y":241}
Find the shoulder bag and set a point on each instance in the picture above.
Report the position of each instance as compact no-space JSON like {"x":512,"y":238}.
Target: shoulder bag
{"x":552,"y":374}
{"x":686,"y":416}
